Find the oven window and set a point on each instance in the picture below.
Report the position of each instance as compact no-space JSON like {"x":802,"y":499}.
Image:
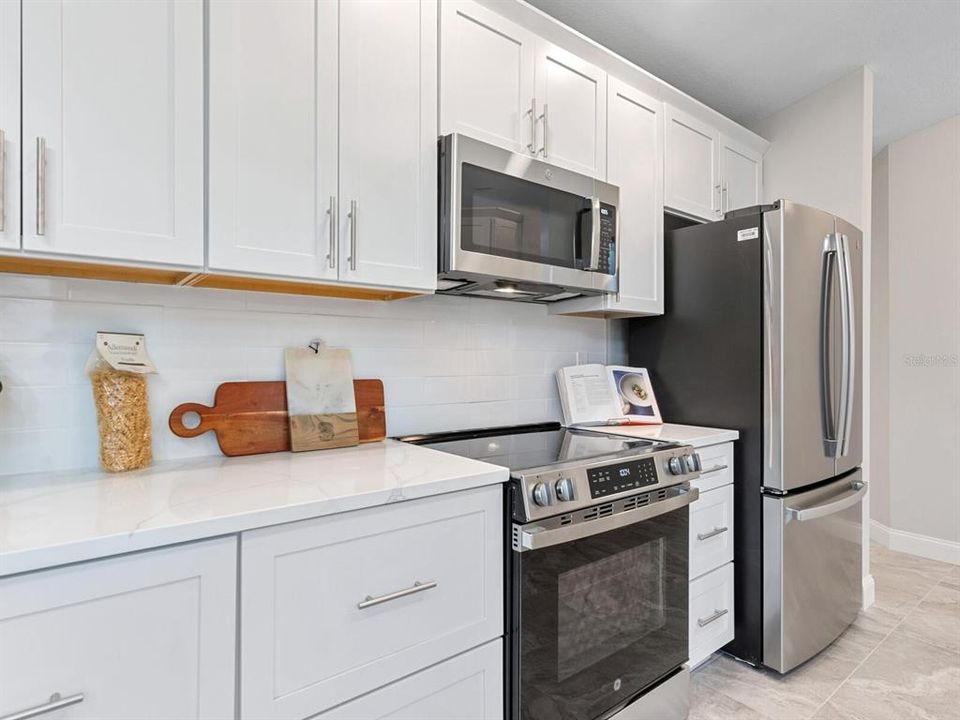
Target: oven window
{"x":606,"y":606}
{"x":599,"y":619}
{"x":513,"y":218}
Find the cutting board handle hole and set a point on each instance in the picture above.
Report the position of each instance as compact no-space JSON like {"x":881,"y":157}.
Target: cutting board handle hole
{"x":190,"y":420}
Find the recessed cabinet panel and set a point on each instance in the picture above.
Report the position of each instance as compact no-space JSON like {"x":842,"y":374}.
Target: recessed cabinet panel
{"x":388,"y":143}
{"x":691,"y":181}
{"x":147,"y":635}
{"x":486,"y":71}
{"x":572,"y":115}
{"x":740,"y":169}
{"x":113,"y":117}
{"x":273,"y":137}
{"x":10,"y":124}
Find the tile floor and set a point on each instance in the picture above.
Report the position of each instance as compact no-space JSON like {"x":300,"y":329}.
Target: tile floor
{"x":899,"y":661}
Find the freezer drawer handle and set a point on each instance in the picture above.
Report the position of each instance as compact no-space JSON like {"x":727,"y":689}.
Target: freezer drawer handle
{"x":847,"y":499}
{"x":713,"y":533}
{"x":703,"y":622}
{"x":55,"y":703}
{"x":715,"y":468}
{"x":417,"y":587}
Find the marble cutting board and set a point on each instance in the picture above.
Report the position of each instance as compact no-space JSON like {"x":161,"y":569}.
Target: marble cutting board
{"x":320,"y":400}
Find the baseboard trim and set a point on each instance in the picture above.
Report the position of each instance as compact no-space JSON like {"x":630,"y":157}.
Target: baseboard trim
{"x":921,"y":545}
{"x":869,"y":591}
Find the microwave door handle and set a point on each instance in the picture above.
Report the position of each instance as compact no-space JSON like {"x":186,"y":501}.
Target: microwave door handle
{"x":594,"y":259}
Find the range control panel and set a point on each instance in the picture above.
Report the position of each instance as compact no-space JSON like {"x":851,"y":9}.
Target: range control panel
{"x":618,"y":478}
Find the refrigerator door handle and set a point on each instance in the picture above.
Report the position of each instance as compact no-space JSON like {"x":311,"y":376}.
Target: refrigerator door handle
{"x":828,"y":415}
{"x":849,"y":497}
{"x":847,"y":349}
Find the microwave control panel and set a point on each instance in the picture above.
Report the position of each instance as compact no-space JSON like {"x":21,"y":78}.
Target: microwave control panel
{"x":621,"y":477}
{"x":608,"y":239}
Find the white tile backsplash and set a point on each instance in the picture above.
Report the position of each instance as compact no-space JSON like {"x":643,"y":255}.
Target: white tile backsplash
{"x":446,"y":362}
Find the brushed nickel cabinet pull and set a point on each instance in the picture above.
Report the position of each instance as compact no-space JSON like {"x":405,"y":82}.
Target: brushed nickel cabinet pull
{"x":41,"y":185}
{"x":543,"y":116}
{"x":715,"y":468}
{"x":55,"y":703}
{"x":332,"y":248}
{"x":531,"y":146}
{"x":352,"y":215}
{"x":703,"y":622}
{"x":370,"y":601}
{"x":713,"y":533}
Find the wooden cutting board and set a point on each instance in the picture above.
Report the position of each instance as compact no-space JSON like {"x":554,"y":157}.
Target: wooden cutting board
{"x":250,"y":418}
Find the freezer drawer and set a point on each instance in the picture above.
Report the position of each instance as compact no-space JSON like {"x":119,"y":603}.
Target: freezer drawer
{"x":812,"y":583}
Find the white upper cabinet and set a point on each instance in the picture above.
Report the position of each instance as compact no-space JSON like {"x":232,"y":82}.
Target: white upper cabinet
{"x":273,"y":137}
{"x":635,"y":165}
{"x":572,"y":112}
{"x":113,"y":116}
{"x":9,"y":125}
{"x":691,"y":172}
{"x":486,"y":75}
{"x":502,"y":84}
{"x":741,"y":175}
{"x":388,"y":143}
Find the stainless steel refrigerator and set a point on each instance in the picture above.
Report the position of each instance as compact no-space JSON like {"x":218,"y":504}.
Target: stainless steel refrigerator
{"x":762,"y":333}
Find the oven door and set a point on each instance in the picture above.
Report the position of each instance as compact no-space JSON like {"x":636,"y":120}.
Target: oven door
{"x":601,"y":616}
{"x":509,"y":216}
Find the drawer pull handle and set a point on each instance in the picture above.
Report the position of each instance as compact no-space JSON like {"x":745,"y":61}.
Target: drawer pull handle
{"x":715,"y":468}
{"x":55,"y":703}
{"x":370,"y":601}
{"x":717,"y":614}
{"x":713,"y":533}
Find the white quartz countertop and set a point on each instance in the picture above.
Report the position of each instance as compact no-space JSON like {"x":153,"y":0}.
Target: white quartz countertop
{"x":688,"y":434}
{"x":52,"y":519}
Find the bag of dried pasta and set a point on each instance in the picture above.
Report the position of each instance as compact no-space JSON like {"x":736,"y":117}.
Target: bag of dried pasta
{"x":118,"y":369}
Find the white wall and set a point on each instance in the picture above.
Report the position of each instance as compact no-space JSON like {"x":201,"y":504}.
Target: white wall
{"x":920,"y":204}
{"x":880,"y":344}
{"x":820,"y":154}
{"x":447,"y":363}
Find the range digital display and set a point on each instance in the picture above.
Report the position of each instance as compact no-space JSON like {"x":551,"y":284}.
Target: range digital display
{"x":621,"y":477}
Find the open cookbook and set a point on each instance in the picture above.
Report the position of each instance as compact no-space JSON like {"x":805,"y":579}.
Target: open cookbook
{"x":606,"y":395}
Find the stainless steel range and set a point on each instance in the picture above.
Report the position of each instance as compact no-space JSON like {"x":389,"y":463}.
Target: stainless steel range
{"x":597,"y":576}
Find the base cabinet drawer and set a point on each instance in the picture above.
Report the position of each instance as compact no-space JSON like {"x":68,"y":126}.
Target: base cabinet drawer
{"x":711,"y":613}
{"x":717,"y":463}
{"x":335,"y":607}
{"x":143,"y":636}
{"x":711,"y":531}
{"x":467,"y":687}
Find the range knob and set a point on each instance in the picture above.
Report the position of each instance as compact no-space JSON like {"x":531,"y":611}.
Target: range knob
{"x":564,"y":488}
{"x":690,"y":462}
{"x":541,"y":494}
{"x":676,"y":465}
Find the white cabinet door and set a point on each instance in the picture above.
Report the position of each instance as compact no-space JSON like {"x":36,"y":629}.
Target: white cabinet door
{"x":10,"y":125}
{"x":143,"y":636}
{"x":741,"y":170}
{"x":388,"y":143}
{"x":486,"y":76}
{"x":711,"y":613}
{"x":467,"y":687}
{"x":691,"y":175}
{"x":115,"y":91}
{"x":572,"y":97}
{"x":273,"y":137}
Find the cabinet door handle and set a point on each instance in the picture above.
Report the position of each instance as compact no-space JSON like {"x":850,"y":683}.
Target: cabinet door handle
{"x":713,"y":533}
{"x":715,"y":468}
{"x":370,"y":601}
{"x":41,"y":185}
{"x":703,"y":622}
{"x":724,"y":199}
{"x":352,"y":217}
{"x":332,"y":247}
{"x":55,"y":703}
{"x":531,"y":146}
{"x":3,"y":181}
{"x":543,"y":116}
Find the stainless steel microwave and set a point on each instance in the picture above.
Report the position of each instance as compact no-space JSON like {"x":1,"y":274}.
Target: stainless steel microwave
{"x":515,"y":228}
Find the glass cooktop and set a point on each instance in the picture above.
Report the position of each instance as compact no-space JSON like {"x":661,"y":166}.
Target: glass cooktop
{"x":530,"y":446}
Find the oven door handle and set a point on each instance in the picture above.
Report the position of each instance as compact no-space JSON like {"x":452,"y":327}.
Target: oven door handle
{"x":534,"y":537}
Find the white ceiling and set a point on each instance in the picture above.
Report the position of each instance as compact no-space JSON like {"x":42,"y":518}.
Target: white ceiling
{"x":750,"y":58}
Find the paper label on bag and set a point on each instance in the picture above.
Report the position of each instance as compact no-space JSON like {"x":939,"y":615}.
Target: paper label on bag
{"x":125,"y":351}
